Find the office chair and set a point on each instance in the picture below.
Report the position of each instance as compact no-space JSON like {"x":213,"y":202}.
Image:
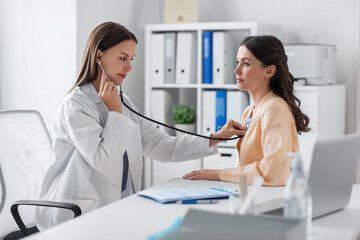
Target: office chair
{"x":25,"y":154}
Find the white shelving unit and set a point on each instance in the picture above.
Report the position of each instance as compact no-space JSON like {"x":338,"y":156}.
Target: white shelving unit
{"x":156,"y":172}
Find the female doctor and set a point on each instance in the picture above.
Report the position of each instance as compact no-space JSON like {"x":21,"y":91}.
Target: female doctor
{"x":98,"y":143}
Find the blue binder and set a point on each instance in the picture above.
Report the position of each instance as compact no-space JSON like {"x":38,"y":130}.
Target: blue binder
{"x":207,"y":57}
{"x":220,"y":112}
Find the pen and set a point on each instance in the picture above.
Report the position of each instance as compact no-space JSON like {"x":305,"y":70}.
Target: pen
{"x":201,"y":201}
{"x":228,"y":190}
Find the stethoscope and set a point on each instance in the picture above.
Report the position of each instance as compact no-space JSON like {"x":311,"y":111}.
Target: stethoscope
{"x":163,"y":124}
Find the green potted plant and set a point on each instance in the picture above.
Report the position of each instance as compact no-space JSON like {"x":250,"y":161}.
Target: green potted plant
{"x":184,"y":117}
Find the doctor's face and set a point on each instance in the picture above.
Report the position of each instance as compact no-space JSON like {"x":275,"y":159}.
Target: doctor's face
{"x":116,"y":61}
{"x":250,"y":72}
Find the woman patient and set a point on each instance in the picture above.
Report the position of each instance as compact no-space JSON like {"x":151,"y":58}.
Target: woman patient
{"x":272,"y":122}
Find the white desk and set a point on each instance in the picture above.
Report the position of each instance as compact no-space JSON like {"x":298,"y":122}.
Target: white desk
{"x":137,"y":218}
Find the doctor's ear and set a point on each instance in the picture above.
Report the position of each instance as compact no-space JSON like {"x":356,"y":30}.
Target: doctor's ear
{"x":98,"y":55}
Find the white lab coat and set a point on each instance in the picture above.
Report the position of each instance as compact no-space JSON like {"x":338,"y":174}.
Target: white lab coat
{"x":89,"y":143}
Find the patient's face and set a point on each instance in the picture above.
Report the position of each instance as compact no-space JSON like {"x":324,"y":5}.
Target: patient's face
{"x":250,"y":72}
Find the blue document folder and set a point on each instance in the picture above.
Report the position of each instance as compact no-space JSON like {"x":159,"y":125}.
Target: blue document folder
{"x":220,"y":112}
{"x":207,"y":57}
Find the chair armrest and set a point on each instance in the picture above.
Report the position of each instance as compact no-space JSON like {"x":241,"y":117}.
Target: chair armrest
{"x":15,"y":211}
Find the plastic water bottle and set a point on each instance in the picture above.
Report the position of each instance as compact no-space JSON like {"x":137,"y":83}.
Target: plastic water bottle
{"x":298,"y":202}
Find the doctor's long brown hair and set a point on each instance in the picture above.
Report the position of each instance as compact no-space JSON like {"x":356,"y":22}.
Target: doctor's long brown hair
{"x":104,"y":36}
{"x":270,"y":51}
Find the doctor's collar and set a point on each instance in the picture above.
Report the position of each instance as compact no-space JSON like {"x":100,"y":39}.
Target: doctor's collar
{"x":91,"y":92}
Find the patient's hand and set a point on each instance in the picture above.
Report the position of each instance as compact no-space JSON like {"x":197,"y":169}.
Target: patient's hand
{"x":208,"y":174}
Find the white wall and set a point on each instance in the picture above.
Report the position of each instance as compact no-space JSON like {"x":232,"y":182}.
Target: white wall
{"x":37,"y":60}
{"x":42,"y":42}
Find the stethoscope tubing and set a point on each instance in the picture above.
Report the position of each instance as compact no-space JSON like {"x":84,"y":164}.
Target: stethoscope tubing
{"x":171,"y":127}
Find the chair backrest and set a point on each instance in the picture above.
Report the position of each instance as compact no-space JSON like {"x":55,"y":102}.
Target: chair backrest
{"x":25,"y":155}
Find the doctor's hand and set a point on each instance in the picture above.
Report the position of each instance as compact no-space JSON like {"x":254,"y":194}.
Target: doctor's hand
{"x":109,"y":94}
{"x":230,"y":129}
{"x":208,"y":174}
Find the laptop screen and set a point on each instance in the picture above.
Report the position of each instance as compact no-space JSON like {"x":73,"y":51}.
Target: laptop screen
{"x":332,"y":173}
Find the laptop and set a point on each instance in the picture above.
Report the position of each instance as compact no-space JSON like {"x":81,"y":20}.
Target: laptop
{"x":331,"y":177}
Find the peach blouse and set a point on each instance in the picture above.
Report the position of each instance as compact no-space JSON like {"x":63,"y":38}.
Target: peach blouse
{"x":262,"y":151}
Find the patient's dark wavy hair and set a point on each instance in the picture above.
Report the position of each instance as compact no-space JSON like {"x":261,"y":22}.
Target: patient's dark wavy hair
{"x":270,"y":51}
